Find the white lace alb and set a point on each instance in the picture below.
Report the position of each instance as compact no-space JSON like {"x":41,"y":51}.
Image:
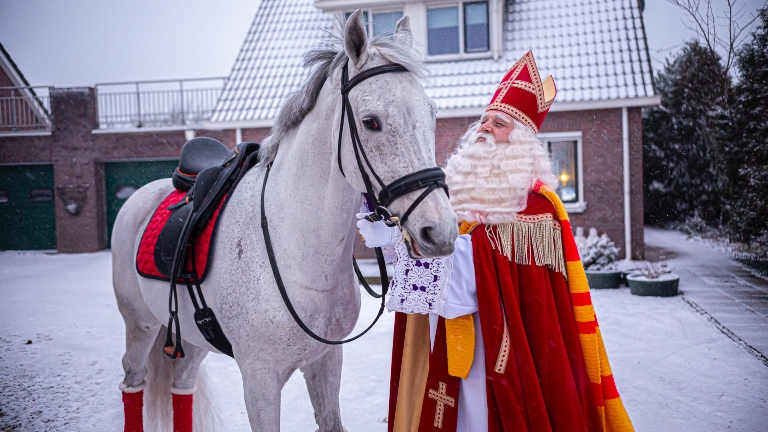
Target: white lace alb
{"x":419,"y":286}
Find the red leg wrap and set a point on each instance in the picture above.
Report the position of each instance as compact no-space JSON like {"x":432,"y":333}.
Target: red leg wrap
{"x":182,"y":413}
{"x":132,"y":406}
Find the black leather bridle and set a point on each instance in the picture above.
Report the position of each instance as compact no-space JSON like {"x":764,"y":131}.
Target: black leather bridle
{"x":428,"y":179}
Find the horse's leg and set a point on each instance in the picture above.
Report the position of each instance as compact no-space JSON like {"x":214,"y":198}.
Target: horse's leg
{"x":262,"y":385}
{"x":323,"y":382}
{"x":184,"y":387}
{"x":139,"y":339}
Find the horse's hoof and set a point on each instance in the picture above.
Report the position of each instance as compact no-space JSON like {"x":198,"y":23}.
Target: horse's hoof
{"x":343,"y":428}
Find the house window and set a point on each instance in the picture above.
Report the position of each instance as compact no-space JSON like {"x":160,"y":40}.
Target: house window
{"x":383,"y":22}
{"x":443,"y":30}
{"x":565,"y":162}
{"x":459,"y":29}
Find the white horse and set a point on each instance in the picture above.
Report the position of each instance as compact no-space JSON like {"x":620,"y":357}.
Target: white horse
{"x":311,"y":208}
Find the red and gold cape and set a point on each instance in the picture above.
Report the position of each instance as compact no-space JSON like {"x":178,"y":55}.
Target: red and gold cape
{"x":545,"y":361}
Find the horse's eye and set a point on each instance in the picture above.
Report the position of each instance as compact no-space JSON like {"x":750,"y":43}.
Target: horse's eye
{"x":371,"y":123}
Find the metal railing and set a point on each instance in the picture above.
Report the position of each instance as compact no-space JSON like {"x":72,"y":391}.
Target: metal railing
{"x":24,"y":109}
{"x":160,"y":103}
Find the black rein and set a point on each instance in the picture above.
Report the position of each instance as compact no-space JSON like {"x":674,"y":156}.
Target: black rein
{"x":428,"y":179}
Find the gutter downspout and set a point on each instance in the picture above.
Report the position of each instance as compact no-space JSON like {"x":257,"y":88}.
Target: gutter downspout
{"x":627,"y":195}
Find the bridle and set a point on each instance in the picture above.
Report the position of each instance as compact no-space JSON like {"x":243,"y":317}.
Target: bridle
{"x":428,"y":179}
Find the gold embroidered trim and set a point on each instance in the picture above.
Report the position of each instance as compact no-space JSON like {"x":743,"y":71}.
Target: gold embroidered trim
{"x":515,"y":113}
{"x":442,"y":399}
{"x":540,"y":235}
{"x":536,"y":86}
{"x":503,"y":358}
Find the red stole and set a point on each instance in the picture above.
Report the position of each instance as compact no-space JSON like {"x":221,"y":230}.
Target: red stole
{"x":440,"y":406}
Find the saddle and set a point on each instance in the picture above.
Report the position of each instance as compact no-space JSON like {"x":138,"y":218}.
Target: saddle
{"x":176,"y":245}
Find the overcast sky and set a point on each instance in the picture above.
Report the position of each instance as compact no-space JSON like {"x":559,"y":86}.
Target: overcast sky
{"x":83,"y":42}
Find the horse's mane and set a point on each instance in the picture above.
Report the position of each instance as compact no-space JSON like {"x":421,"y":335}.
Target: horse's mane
{"x":324,"y":60}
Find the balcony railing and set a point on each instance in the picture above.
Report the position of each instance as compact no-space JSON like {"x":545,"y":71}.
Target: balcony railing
{"x":163,"y":103}
{"x":24,"y":109}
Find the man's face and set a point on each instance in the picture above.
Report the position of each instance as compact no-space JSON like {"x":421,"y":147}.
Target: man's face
{"x":497,"y":124}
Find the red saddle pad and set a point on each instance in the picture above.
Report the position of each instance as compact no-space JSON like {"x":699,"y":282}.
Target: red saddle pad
{"x":145,"y":258}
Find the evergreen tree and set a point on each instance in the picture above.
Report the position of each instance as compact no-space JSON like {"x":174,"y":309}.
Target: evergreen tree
{"x":747,"y":154}
{"x":682,"y":140}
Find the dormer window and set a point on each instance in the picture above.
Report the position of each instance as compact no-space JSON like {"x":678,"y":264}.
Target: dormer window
{"x":383,"y":21}
{"x":460,"y":29}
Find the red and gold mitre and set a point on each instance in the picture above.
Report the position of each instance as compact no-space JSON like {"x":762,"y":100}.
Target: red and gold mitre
{"x":523,"y":95}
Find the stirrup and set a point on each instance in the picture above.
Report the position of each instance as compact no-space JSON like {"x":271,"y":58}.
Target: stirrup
{"x":173,"y":351}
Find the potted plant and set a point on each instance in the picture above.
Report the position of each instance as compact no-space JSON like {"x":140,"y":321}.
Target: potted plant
{"x":654,"y":279}
{"x":598,"y":254}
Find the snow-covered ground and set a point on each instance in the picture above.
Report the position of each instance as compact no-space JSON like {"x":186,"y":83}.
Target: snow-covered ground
{"x":674,"y":369}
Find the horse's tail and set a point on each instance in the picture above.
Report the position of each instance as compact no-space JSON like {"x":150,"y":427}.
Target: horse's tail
{"x":157,"y":396}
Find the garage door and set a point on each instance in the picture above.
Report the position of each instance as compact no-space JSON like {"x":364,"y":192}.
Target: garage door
{"x":124,"y":178}
{"x":27,"y":214}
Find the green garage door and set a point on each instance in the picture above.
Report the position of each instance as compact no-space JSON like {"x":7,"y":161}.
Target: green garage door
{"x":124,"y":178}
{"x":27,"y":214}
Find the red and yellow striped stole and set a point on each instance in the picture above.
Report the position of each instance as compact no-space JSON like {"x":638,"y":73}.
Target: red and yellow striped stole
{"x":611,"y":408}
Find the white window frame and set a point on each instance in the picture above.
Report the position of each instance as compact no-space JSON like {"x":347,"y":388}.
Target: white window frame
{"x":370,"y":12}
{"x":461,"y":55}
{"x":579,"y":206}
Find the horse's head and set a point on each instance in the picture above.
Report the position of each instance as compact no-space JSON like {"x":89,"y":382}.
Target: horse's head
{"x":395,"y":121}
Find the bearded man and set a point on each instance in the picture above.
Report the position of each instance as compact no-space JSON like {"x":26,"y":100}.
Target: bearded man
{"x":502,"y":335}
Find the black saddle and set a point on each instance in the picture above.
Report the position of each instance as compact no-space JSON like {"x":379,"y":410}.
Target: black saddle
{"x":197,"y":155}
{"x":209,"y":171}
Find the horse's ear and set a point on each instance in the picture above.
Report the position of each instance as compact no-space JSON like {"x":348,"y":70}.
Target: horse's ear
{"x":403,"y":33}
{"x":356,"y":39}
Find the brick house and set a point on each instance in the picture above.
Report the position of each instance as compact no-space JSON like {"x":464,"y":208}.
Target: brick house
{"x":596,"y":51}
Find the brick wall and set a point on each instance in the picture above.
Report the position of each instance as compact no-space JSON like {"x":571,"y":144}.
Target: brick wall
{"x":78,"y":156}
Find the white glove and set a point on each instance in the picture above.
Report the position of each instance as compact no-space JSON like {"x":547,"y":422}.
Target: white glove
{"x":376,"y":234}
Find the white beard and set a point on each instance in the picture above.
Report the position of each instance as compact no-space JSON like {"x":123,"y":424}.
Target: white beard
{"x":488,"y":182}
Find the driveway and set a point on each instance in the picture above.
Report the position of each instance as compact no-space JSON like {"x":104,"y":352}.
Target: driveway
{"x":717,"y":286}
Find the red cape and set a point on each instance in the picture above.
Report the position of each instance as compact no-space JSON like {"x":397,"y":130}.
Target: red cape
{"x":544,"y":385}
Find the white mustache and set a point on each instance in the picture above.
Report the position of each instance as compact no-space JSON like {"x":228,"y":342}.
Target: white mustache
{"x":488,"y":137}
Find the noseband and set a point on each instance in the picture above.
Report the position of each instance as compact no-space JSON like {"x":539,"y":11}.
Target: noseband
{"x":428,"y":179}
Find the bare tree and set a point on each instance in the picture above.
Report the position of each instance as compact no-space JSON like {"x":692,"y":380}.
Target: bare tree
{"x":725,"y":32}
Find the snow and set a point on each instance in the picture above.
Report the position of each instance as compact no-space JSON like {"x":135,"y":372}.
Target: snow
{"x":673,"y":368}
{"x":662,"y":277}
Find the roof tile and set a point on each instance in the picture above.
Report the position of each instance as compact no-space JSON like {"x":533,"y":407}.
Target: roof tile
{"x":595,"y":50}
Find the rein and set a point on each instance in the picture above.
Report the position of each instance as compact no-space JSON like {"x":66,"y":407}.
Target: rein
{"x":284,"y":293}
{"x":428,"y":179}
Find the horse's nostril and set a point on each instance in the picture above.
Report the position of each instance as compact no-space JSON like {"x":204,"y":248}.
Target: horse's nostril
{"x":426,"y":235}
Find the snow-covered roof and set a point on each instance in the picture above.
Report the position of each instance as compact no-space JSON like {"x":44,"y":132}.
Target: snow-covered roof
{"x":595,"y":50}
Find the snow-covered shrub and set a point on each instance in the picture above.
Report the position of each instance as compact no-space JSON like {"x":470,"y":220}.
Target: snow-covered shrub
{"x":598,"y":252}
{"x":652,"y":270}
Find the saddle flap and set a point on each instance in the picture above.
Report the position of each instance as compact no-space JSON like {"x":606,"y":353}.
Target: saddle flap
{"x":205,"y":183}
{"x":168,"y":240}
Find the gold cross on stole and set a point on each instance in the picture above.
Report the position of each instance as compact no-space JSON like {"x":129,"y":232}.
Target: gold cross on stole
{"x":442,"y":399}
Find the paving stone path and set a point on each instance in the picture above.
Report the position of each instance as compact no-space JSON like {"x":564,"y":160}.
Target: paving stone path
{"x":718,"y":286}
